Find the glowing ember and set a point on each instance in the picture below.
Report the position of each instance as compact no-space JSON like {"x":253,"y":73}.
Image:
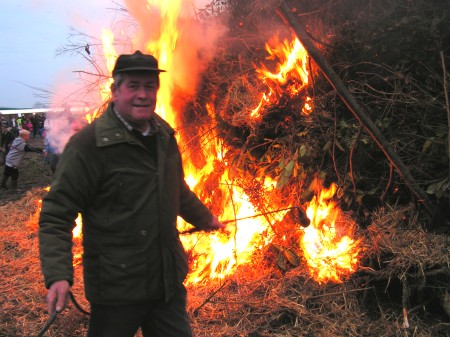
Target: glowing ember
{"x":328,"y":246}
{"x":307,"y":108}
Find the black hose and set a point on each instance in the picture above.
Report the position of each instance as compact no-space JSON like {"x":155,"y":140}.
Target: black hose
{"x":77,"y":305}
{"x":47,"y":324}
{"x":53,"y":316}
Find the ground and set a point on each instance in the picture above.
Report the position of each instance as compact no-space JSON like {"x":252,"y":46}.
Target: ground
{"x":260,"y":298}
{"x":33,"y":172}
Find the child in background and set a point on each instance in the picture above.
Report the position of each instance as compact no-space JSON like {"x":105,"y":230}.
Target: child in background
{"x":18,"y":148}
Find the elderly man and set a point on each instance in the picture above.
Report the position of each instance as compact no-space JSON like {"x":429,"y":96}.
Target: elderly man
{"x":124,"y":174}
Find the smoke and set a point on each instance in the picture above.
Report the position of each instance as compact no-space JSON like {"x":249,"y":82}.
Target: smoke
{"x":61,"y":124}
{"x":196,"y":49}
{"x":67,"y":112}
{"x":69,"y":91}
{"x":139,"y":27}
{"x":194,"y":42}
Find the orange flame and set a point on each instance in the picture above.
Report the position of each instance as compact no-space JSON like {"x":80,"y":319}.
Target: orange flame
{"x":329,"y":249}
{"x":293,"y":57}
{"x":291,"y":75}
{"x":163,"y":48}
{"x":110,"y":55}
{"x":330,"y":254}
{"x":216,"y":255}
{"x":77,"y":231}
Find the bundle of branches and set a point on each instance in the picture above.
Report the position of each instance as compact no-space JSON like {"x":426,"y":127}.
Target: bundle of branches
{"x":389,"y":54}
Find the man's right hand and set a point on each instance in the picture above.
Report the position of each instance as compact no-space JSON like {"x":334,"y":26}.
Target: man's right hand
{"x":57,"y":296}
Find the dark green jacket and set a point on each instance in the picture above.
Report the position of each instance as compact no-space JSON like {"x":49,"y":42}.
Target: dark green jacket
{"x":129,"y":204}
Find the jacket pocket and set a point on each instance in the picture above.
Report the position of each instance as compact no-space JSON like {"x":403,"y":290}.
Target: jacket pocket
{"x":115,"y":193}
{"x":122,"y":275}
{"x":181,"y":261}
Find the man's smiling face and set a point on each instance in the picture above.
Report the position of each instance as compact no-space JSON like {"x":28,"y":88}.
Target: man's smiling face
{"x":135,"y":98}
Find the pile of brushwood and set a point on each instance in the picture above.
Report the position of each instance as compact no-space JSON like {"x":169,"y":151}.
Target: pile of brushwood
{"x":392,"y":56}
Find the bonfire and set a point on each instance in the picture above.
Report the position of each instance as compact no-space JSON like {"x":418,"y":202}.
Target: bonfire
{"x":328,"y":232}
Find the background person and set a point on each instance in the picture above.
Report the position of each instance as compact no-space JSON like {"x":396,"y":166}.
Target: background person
{"x":51,"y":153}
{"x":15,"y":155}
{"x":124,"y":174}
{"x":19,"y":126}
{"x":51,"y":156}
{"x":7,"y":138}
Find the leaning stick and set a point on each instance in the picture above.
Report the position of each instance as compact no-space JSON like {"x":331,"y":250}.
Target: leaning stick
{"x":444,"y":78}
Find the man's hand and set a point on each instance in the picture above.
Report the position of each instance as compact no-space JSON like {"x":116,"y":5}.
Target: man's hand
{"x":57,"y":296}
{"x":216,"y":224}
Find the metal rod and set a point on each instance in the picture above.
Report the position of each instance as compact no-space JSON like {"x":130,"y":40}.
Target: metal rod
{"x":301,"y":215}
{"x":261,"y":214}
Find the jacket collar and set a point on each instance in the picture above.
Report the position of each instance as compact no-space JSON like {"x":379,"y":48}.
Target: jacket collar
{"x":153,"y":126}
{"x":110,"y":130}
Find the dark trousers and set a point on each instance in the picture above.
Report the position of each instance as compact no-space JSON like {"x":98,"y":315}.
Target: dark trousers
{"x":155,"y":318}
{"x":12,"y":172}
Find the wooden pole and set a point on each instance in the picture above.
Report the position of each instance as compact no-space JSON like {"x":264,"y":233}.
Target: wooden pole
{"x":294,"y":23}
{"x":447,"y":105}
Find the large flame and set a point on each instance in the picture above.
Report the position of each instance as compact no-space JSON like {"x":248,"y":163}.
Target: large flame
{"x":328,"y":245}
{"x":291,"y":74}
{"x":330,"y":254}
{"x":216,"y":255}
{"x":293,"y":63}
